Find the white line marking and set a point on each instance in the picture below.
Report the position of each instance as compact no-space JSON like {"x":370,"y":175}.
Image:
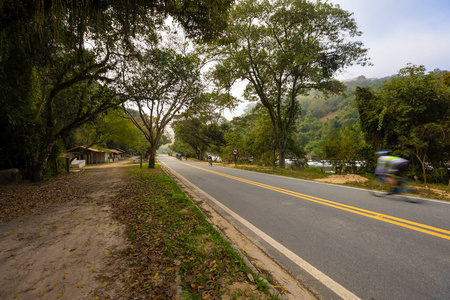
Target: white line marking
{"x":327,"y":281}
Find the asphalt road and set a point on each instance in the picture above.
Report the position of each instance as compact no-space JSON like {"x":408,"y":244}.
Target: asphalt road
{"x":341,"y":242}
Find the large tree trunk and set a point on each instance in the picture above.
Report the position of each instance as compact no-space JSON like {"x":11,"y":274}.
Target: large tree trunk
{"x":281,"y":151}
{"x":282,"y":157}
{"x":40,"y":161}
{"x":152,"y":156}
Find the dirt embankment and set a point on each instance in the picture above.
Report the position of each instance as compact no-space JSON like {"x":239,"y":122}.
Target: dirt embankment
{"x":67,"y":244}
{"x":343,"y":178}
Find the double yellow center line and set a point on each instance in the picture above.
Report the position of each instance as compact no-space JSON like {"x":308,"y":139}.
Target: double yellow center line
{"x":442,"y":233}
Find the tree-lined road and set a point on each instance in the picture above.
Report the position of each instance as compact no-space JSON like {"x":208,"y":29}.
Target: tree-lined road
{"x":340,"y":241}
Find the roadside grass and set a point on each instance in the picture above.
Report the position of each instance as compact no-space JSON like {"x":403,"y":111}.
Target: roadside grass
{"x":308,"y":173}
{"x":174,"y":250}
{"x":433,"y":191}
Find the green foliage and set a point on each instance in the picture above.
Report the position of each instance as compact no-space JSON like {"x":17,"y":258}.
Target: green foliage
{"x":321,"y":116}
{"x":284,"y":49}
{"x":111,"y":127}
{"x":52,"y":82}
{"x":345,"y":148}
{"x":314,"y":170}
{"x":253,"y":136}
{"x":411,"y":116}
{"x":200,"y":130}
{"x":202,"y":20}
{"x":65,"y":88}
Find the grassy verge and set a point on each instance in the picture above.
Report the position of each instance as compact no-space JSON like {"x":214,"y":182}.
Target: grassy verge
{"x":175,"y":250}
{"x":434,"y":191}
{"x":308,"y":173}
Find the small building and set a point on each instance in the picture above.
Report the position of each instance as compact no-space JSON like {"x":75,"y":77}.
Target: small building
{"x":122,"y":153}
{"x":114,"y":155}
{"x":90,"y":155}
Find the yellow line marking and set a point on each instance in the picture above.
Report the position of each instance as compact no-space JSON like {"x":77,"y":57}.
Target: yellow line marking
{"x":435,"y":231}
{"x":320,"y":276}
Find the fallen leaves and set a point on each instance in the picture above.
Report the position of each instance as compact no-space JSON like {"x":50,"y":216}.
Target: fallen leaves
{"x":61,"y":229}
{"x":24,"y":198}
{"x":172,"y":244}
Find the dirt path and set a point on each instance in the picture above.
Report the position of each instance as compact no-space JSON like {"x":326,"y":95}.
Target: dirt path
{"x":69,"y":247}
{"x":66,"y":244}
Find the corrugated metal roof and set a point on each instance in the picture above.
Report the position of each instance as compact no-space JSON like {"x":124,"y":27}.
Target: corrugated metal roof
{"x":84,"y":148}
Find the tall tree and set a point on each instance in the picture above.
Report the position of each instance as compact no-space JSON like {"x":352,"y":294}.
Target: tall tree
{"x":161,"y":84}
{"x":61,"y":88}
{"x":58,"y":59}
{"x":284,"y":49}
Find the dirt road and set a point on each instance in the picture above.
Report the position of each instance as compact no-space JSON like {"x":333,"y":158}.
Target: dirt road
{"x":59,"y":240}
{"x":69,"y":247}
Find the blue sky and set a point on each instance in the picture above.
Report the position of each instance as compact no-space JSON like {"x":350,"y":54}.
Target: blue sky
{"x":398,"y":32}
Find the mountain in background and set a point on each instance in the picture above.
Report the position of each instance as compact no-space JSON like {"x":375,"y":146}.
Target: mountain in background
{"x":321,"y":116}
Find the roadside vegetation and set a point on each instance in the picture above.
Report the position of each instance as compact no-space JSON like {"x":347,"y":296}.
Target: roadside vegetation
{"x":175,"y":250}
{"x":406,"y":114}
{"x":429,"y":190}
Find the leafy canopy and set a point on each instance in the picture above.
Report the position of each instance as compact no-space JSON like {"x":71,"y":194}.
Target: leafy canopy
{"x":410,"y":115}
{"x":283,"y":49}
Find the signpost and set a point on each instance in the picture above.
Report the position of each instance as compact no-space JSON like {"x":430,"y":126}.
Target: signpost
{"x":235,"y":153}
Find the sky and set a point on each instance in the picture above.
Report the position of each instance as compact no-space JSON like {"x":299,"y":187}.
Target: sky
{"x":396,"y":32}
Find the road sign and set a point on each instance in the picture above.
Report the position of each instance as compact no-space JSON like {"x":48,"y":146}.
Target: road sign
{"x":235,"y":151}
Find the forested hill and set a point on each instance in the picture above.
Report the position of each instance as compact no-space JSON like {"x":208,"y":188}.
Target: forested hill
{"x":321,"y":116}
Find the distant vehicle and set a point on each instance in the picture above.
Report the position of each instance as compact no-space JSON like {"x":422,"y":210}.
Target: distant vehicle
{"x":216,"y":158}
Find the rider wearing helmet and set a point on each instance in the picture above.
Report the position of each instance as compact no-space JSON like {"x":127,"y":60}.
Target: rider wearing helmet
{"x":381,"y":169}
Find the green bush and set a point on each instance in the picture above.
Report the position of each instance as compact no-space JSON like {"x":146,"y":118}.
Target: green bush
{"x":314,"y":170}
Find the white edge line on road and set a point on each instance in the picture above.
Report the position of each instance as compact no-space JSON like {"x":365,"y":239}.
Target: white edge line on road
{"x":324,"y":279}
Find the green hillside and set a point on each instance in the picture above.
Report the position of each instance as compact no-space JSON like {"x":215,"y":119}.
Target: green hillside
{"x":322,"y":116}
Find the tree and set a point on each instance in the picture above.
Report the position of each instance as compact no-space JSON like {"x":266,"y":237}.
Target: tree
{"x":252,"y":135}
{"x":62,"y":91}
{"x":113,"y":126}
{"x":202,"y":20}
{"x":161,"y":84}
{"x":345,"y":147}
{"x":58,"y":62}
{"x":197,"y":133}
{"x":284,"y":49}
{"x":63,"y":84}
{"x":202,"y":127}
{"x":410,"y":114}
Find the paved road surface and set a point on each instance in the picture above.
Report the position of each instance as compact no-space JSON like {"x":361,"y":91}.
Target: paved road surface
{"x":339,"y":241}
